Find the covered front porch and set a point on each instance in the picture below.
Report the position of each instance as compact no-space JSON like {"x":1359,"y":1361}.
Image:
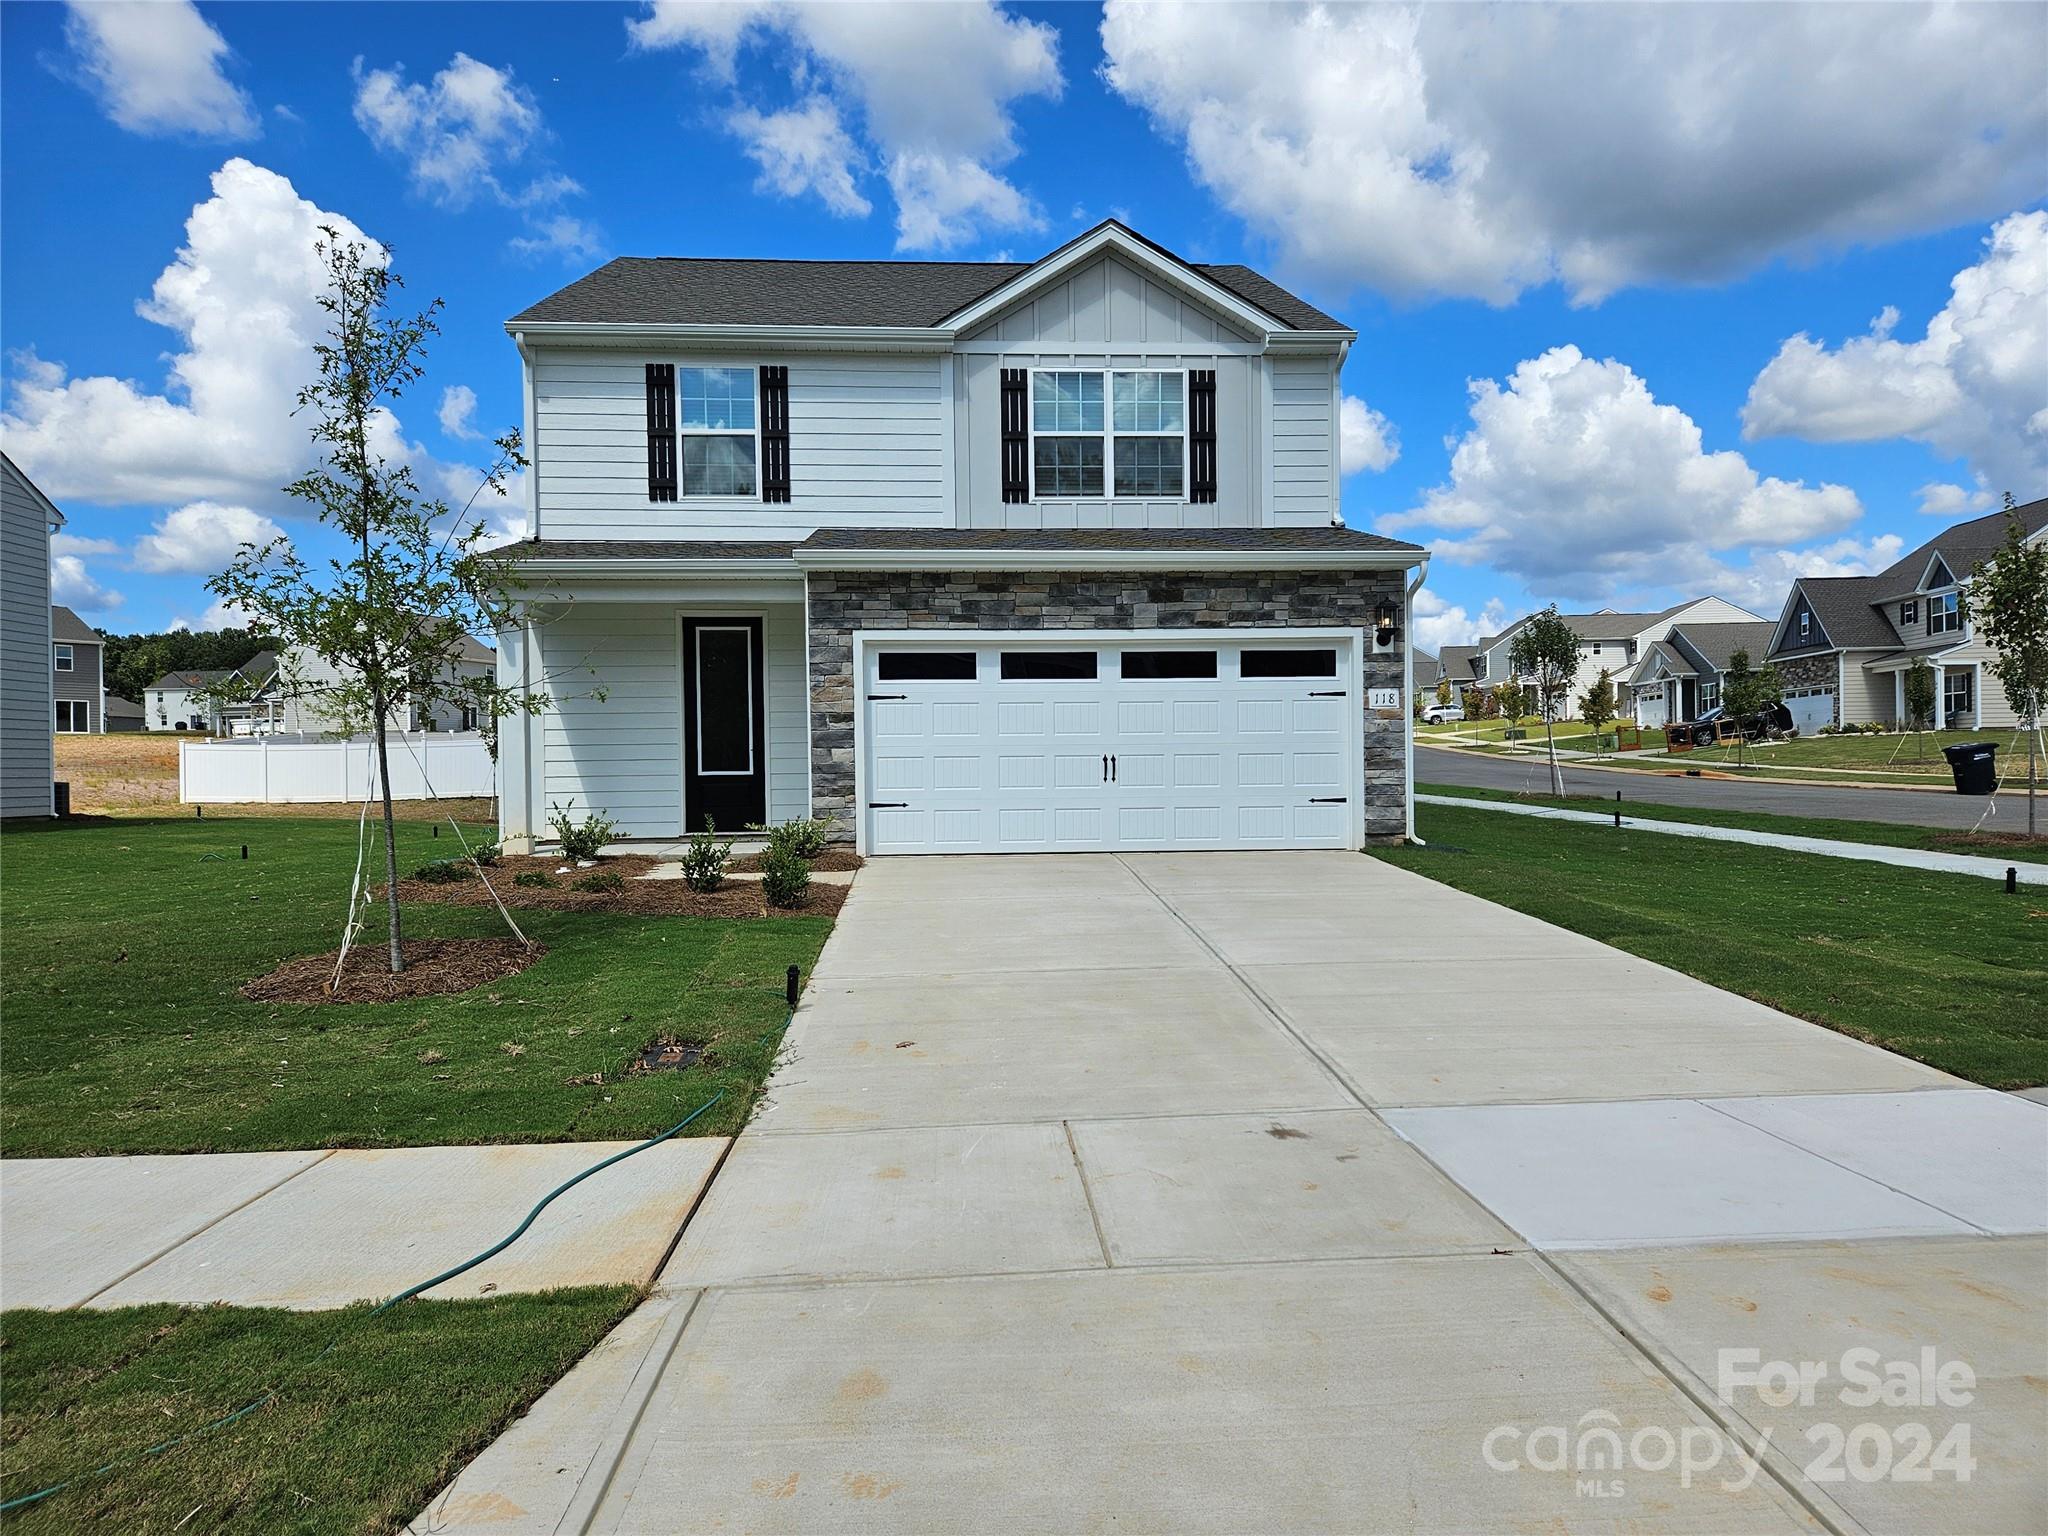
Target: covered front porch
{"x":669,"y":698}
{"x":1958,"y":702}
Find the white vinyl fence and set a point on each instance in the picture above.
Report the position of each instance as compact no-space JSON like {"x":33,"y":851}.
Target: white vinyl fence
{"x":424,"y":765}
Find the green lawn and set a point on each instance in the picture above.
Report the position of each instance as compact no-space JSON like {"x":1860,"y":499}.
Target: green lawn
{"x":355,"y":1441}
{"x":1947,"y":970}
{"x":126,"y":941}
{"x":2003,"y":845}
{"x":1881,"y":758}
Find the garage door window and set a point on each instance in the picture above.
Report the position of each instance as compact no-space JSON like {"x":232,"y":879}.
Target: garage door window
{"x":925,"y":667}
{"x":1049,"y":666}
{"x":1152,"y":666}
{"x":1290,"y":663}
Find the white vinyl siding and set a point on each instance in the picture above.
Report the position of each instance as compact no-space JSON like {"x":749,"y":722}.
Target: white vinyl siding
{"x":27,"y":754}
{"x":1304,"y":441}
{"x":867,"y":448}
{"x":1862,"y":696}
{"x":622,"y":754}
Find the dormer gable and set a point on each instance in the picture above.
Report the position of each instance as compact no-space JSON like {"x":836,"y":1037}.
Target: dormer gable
{"x":1936,"y":575}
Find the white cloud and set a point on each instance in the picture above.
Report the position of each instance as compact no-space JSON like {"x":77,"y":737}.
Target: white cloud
{"x":1439,"y":623}
{"x":931,"y":86}
{"x":1480,"y":150}
{"x":73,"y":544}
{"x":456,"y":132}
{"x":1974,"y":387}
{"x":1576,"y":478}
{"x":562,"y":235}
{"x":1365,"y":438}
{"x":73,"y":586}
{"x":458,"y":408}
{"x":219,"y":614}
{"x":1760,"y":584}
{"x":804,"y":149}
{"x":240,"y":295}
{"x":1941,"y":499}
{"x":201,"y":537}
{"x":156,"y":65}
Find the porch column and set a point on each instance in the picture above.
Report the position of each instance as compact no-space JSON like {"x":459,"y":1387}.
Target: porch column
{"x":515,"y":824}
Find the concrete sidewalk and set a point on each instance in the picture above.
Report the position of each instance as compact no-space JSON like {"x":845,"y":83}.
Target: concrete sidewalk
{"x":2025,"y":872}
{"x":321,"y":1229}
{"x":1139,"y":1193}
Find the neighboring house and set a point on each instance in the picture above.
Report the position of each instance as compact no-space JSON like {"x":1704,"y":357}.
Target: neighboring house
{"x":77,"y":674}
{"x":1843,"y":644}
{"x":1460,"y":663}
{"x":1608,"y":641}
{"x":190,"y":700}
{"x":298,"y":697}
{"x":1423,"y":671}
{"x":1680,"y":676}
{"x":27,"y":695}
{"x":123,"y":714}
{"x":958,"y":556}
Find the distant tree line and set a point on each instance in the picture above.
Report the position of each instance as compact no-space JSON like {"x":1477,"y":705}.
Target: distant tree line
{"x":135,"y":661}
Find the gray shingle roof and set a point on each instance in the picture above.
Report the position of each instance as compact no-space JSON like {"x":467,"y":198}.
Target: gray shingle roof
{"x":1844,"y":605}
{"x":719,"y":290}
{"x":1961,"y":546}
{"x":70,"y":628}
{"x":1424,"y":669}
{"x":1456,"y":661}
{"x":1716,"y":644}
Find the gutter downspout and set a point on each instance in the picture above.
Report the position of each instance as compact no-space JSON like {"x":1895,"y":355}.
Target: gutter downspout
{"x":1408,"y":690}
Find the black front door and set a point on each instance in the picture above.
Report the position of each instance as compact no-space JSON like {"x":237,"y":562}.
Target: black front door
{"x":725,"y":759}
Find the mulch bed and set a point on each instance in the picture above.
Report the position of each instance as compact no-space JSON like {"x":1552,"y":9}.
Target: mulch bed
{"x":837,"y":857}
{"x":433,"y":968}
{"x":640,"y":898}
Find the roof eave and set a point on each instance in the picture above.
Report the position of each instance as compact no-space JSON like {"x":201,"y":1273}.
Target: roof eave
{"x":794,"y":337}
{"x":1079,"y":559}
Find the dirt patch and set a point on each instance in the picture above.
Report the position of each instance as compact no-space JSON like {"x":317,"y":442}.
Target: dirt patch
{"x":433,"y":968}
{"x":640,"y":898}
{"x":1986,"y":842}
{"x":835,"y":859}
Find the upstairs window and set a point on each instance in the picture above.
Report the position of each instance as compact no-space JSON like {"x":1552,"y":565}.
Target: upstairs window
{"x":717,"y":438}
{"x":1805,"y":624}
{"x":63,"y":661}
{"x":1121,"y":434}
{"x":1944,"y":613}
{"x":1909,"y":611}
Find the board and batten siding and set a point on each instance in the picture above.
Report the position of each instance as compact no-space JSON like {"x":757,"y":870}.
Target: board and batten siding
{"x":867,"y":448}
{"x":622,"y":754}
{"x":27,"y":746}
{"x":1304,"y":440}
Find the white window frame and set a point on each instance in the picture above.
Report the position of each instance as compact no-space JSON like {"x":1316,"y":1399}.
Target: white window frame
{"x":1949,"y":677}
{"x":1109,"y":434}
{"x":746,"y":631}
{"x":1947,"y":606}
{"x":1909,"y":611}
{"x":1805,"y":624}
{"x":753,"y":371}
{"x":77,"y":711}
{"x":62,"y":658}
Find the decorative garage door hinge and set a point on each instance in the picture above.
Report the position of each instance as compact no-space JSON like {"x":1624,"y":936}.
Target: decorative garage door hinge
{"x":888,"y":805}
{"x":874,"y":696}
{"x":1330,"y":800}
{"x":1328,"y":693}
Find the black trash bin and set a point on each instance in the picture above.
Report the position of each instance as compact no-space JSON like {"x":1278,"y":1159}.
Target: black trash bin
{"x":1972,"y":764}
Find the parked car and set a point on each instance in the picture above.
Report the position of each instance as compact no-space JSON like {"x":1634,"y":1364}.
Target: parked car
{"x":1716,"y":725}
{"x":1442,"y":714}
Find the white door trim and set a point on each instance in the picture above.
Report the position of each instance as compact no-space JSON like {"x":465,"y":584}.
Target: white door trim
{"x":1069,"y":639}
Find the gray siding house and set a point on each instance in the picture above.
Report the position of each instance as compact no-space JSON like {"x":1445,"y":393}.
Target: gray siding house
{"x":27,"y":750}
{"x":958,"y":556}
{"x":77,"y":674}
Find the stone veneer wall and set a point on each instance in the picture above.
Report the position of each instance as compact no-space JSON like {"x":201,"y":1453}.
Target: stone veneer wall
{"x":1822,"y":671}
{"x":845,"y":602}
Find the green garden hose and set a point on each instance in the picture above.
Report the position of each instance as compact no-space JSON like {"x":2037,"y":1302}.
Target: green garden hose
{"x":425,"y":1285}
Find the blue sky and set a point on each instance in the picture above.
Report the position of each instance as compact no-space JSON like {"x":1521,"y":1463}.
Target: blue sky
{"x":1476,"y":191}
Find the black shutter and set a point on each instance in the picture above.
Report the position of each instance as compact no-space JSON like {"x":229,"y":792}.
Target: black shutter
{"x":774,"y":432}
{"x":1016,"y":438}
{"x":1202,"y":434}
{"x":661,"y":431}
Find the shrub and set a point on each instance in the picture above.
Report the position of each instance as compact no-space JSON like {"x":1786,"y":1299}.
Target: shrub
{"x":537,"y":879}
{"x":486,"y":854}
{"x":443,"y":872}
{"x":803,"y":839}
{"x":785,"y":879}
{"x":608,"y":881}
{"x":584,"y":841}
{"x":705,"y":858}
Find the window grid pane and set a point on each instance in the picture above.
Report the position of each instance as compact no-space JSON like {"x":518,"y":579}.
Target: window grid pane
{"x":1066,"y":402}
{"x":718,"y":399}
{"x":1148,"y":466}
{"x":1147,"y":402}
{"x":718,"y":466}
{"x":1068,"y":466}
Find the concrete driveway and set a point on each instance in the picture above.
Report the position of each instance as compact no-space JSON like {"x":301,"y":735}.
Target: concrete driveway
{"x":1211,"y":1193}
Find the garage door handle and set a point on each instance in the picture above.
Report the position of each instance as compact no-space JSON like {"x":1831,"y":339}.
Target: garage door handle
{"x":1330,"y":800}
{"x":1112,"y":767}
{"x":874,"y":696}
{"x":1105,"y":767}
{"x":888,"y":805}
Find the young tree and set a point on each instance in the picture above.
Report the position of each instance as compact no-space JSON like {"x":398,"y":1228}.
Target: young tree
{"x":1919,"y":690}
{"x":1547,"y":652}
{"x":418,"y":576}
{"x":1746,"y":692}
{"x":1513,"y":701}
{"x":1443,"y":690}
{"x":1597,"y":706}
{"x":2006,"y":603}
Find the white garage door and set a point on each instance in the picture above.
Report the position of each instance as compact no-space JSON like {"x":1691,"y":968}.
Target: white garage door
{"x":1071,"y":744}
{"x":1811,"y":710}
{"x":1652,"y":709}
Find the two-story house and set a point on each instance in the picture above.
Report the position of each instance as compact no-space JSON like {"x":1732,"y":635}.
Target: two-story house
{"x":960,"y":556}
{"x":1843,"y":644}
{"x":27,"y":749}
{"x":77,"y":673}
{"x":1680,"y":677}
